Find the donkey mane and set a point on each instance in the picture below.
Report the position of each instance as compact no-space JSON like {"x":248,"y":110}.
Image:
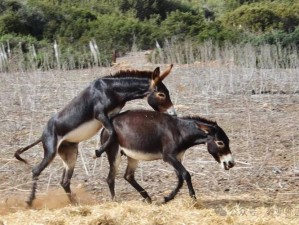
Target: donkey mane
{"x":132,"y":73}
{"x":201,"y":120}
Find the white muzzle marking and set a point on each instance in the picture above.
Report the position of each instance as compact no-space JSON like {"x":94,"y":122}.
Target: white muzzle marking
{"x":227,"y":161}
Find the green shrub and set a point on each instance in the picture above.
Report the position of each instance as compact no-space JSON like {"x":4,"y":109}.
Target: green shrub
{"x":215,"y":31}
{"x":255,"y":18}
{"x":182,"y":25}
{"x":264,"y":17}
{"x":121,"y":24}
{"x":277,"y":36}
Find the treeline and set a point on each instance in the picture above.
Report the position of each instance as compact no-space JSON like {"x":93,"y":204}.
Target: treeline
{"x":80,"y":33}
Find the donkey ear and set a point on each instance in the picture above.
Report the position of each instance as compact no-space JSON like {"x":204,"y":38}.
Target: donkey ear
{"x":156,"y":74}
{"x":155,"y":77}
{"x":204,"y":128}
{"x":165,"y":73}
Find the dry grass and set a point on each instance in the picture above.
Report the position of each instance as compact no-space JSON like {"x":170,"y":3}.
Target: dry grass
{"x":179,"y":211}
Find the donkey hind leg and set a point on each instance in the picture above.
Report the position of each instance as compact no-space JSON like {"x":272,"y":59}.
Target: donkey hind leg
{"x":182,"y":173}
{"x":68,"y":152}
{"x":49,"y":140}
{"x":129,"y":176}
{"x":114,"y":161}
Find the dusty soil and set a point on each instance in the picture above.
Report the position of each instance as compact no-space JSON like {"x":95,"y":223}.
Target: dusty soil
{"x":263,"y":130}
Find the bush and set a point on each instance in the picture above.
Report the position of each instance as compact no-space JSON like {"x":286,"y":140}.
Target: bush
{"x":218,"y":33}
{"x":182,"y":25}
{"x":255,"y":18}
{"x":264,"y":17}
{"x":12,"y":23}
{"x":277,"y":36}
{"x":121,"y":24}
{"x":145,"y":9}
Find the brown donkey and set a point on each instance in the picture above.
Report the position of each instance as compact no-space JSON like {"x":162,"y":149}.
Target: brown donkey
{"x":150,"y":135}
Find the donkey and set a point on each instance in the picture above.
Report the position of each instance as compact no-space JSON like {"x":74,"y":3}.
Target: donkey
{"x":83,"y":117}
{"x":150,"y":135}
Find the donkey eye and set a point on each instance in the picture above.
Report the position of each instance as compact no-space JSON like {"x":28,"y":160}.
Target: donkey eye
{"x":220,"y":144}
{"x":161,"y":95}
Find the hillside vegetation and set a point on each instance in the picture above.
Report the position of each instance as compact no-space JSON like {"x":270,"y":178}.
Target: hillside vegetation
{"x":80,"y":33}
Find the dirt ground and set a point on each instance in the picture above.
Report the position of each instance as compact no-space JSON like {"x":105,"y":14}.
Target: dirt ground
{"x":263,"y":131}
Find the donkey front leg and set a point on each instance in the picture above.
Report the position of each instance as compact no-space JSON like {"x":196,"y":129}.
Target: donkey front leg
{"x":182,"y":173}
{"x":111,"y":133}
{"x":129,"y":176}
{"x":68,"y":153}
{"x":177,"y":188}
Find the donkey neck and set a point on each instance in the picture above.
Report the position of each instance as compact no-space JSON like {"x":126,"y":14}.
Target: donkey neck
{"x":132,"y":88}
{"x":190,"y":133}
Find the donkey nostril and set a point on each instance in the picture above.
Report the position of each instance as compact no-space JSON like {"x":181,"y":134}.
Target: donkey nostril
{"x":231,"y":164}
{"x":225,"y":166}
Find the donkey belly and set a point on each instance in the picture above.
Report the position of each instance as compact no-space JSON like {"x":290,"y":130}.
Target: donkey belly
{"x":83,"y":132}
{"x":141,"y":155}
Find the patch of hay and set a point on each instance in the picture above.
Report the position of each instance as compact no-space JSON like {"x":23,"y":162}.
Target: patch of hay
{"x":180,"y":211}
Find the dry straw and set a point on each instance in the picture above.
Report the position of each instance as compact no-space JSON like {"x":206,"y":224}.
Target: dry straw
{"x":180,"y":211}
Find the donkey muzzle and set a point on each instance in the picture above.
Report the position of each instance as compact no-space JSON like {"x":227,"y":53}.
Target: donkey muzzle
{"x":227,"y":161}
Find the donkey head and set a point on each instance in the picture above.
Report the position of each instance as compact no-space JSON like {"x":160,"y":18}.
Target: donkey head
{"x":159,"y":98}
{"x":218,"y":145}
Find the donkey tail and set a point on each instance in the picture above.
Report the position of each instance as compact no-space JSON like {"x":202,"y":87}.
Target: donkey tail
{"x":21,"y":150}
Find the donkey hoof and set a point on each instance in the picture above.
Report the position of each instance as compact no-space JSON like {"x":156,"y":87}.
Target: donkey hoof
{"x":97,"y":154}
{"x":73,"y":199}
{"x":193,"y":197}
{"x":29,"y":203}
{"x":147,"y":200}
{"x":160,"y":202}
{"x":167,"y":199}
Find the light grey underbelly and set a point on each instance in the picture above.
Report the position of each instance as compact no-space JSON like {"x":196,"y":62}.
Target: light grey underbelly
{"x":139,"y":155}
{"x":83,"y":132}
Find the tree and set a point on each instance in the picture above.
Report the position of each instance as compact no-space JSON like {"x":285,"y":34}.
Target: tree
{"x":254,"y":18}
{"x":182,"y":24}
{"x":145,"y":9}
{"x":12,"y":23}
